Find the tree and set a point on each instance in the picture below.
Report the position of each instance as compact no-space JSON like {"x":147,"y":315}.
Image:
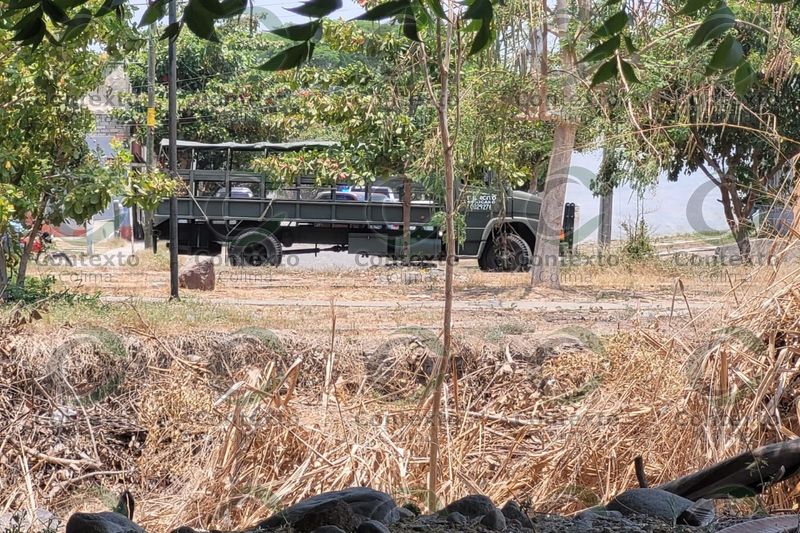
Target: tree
{"x":46,"y":168}
{"x":741,"y":138}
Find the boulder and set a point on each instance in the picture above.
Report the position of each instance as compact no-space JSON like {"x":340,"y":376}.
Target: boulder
{"x":362,"y":504}
{"x":198,"y":276}
{"x":329,"y":529}
{"x":512,"y":511}
{"x":663,"y":505}
{"x":372,"y":526}
{"x":105,"y":522}
{"x":457,"y":519}
{"x":472,"y":506}
{"x":494,"y":520}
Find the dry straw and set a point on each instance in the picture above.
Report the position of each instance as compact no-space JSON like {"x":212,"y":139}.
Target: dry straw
{"x":209,"y":432}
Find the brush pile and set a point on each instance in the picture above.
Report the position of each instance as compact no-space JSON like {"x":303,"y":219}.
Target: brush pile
{"x":221,"y":430}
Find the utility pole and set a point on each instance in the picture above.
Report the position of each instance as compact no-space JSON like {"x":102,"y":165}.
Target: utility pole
{"x":151,"y":122}
{"x":173,"y":158}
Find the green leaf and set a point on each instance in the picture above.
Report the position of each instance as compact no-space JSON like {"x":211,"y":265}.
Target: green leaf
{"x":628,"y":73}
{"x":55,"y":13}
{"x":76,"y":26}
{"x":714,"y":25}
{"x":410,"y":26}
{"x":21,"y":4}
{"x":200,"y":21}
{"x":602,"y":51}
{"x":436,"y":7}
{"x":299,"y":32}
{"x":290,"y":58}
{"x":693,"y":6}
{"x":606,"y":71}
{"x":629,"y":45}
{"x":482,"y":38}
{"x":316,"y":8}
{"x":28,"y":20}
{"x":728,"y":56}
{"x":479,"y":9}
{"x":386,"y":10}
{"x":744,"y":79}
{"x":613,"y":25}
{"x":171,"y":31}
{"x":32,"y":27}
{"x":233,"y":8}
{"x":109,"y":6}
{"x":155,"y":11}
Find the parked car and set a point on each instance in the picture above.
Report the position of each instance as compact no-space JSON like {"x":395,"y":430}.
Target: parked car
{"x":351,"y":196}
{"x":388,"y":192}
{"x":236,"y":192}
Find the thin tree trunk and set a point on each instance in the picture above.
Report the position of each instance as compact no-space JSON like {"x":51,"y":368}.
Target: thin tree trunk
{"x":3,"y":267}
{"x":545,"y":258}
{"x":406,"y":221}
{"x":443,"y":363}
{"x":26,"y":252}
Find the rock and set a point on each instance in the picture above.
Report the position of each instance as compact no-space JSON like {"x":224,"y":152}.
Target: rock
{"x":328,"y":529}
{"x":702,"y":513}
{"x":494,"y":520}
{"x":413,"y":507}
{"x":457,"y":518}
{"x":364,"y":503}
{"x":198,"y":276}
{"x":331,"y":513}
{"x":512,"y":511}
{"x":372,"y":526}
{"x":663,"y":505}
{"x":106,"y":522}
{"x":403,"y":513}
{"x":472,"y":506}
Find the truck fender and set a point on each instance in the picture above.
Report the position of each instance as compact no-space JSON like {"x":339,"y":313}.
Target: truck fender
{"x":487,"y":231}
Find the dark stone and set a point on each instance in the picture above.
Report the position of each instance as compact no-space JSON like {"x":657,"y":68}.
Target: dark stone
{"x":702,"y":513}
{"x":106,"y":522}
{"x":364,"y":503}
{"x":457,"y":518}
{"x":494,"y":520}
{"x":402,"y":513}
{"x":651,"y":502}
{"x":472,"y":506}
{"x":372,"y":526}
{"x":328,"y":529}
{"x":512,"y":511}
{"x":413,"y":507}
{"x":331,"y":513}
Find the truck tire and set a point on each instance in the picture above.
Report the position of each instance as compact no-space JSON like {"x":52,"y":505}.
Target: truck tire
{"x":256,"y":249}
{"x":507,"y":252}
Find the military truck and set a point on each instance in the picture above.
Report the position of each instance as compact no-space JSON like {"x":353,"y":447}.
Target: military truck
{"x":223,"y":203}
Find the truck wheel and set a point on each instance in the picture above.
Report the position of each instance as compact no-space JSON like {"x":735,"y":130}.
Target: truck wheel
{"x":257,"y":249}
{"x":507,"y":252}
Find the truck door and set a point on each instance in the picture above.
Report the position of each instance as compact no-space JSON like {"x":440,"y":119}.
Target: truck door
{"x":480,"y":206}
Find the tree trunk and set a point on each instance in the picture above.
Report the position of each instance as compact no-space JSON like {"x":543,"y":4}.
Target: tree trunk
{"x":443,"y":362}
{"x":545,"y":257}
{"x":605,"y":226}
{"x":406,"y":221}
{"x":743,"y":241}
{"x":3,"y":267}
{"x":26,"y":252}
{"x":548,"y":232}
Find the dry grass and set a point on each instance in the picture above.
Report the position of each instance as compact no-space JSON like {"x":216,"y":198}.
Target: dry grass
{"x":217,"y":430}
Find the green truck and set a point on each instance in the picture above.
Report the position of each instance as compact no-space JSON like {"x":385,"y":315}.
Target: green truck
{"x":223,"y":203}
